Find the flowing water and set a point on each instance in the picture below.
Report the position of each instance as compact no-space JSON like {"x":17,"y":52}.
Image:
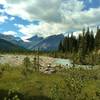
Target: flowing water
{"x":64,"y":62}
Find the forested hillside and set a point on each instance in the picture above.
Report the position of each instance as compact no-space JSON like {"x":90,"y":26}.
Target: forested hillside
{"x":6,"y":46}
{"x":87,"y":44}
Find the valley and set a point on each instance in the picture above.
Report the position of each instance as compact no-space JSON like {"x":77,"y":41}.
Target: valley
{"x":51,"y":68}
{"x":44,"y":69}
{"x":49,"y":49}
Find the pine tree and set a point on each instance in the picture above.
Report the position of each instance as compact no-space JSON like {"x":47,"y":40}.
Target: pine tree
{"x":87,"y":41}
{"x":97,"y":39}
{"x":82,"y":46}
{"x":64,"y":44}
{"x":68,"y":43}
{"x":71,"y":43}
{"x":92,"y":42}
{"x":74,"y":44}
{"x":60,"y":47}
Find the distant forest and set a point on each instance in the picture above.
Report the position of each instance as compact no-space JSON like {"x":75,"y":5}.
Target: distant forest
{"x":83,"y":45}
{"x":86,"y":42}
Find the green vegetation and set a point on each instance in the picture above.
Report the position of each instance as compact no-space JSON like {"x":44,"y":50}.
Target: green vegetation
{"x":84,"y":47}
{"x":97,"y":39}
{"x":69,"y":84}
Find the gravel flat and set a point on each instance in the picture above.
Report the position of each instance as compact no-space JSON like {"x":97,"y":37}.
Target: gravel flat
{"x":18,"y":59}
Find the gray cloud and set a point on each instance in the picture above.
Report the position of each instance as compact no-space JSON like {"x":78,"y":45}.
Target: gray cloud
{"x":46,"y":10}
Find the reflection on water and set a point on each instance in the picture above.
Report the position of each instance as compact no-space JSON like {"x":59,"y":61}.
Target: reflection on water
{"x":69,"y":63}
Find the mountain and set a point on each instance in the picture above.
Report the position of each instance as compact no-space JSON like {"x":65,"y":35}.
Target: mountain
{"x":34,"y":41}
{"x":18,"y":41}
{"x":15,"y":40}
{"x":9,"y":38}
{"x":6,"y":46}
{"x":35,"y":38}
{"x":45,"y":44}
{"x":49,"y":44}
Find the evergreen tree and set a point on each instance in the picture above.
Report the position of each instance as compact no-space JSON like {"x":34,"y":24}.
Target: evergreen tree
{"x":68,"y":43}
{"x":85,"y":44}
{"x":87,"y":41}
{"x":92,"y":42}
{"x":71,"y":43}
{"x":64,"y":44}
{"x":60,"y":47}
{"x":74,"y":44}
{"x":97,"y":39}
{"x":82,"y":46}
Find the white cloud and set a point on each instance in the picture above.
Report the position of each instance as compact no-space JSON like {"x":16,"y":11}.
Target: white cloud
{"x":10,"y":33}
{"x":2,"y":1}
{"x":77,"y":33}
{"x":1,"y":11}
{"x":19,"y":25}
{"x":3,"y":19}
{"x":43,"y":29}
{"x":18,"y":10}
{"x":12,"y":18}
{"x":25,"y":37}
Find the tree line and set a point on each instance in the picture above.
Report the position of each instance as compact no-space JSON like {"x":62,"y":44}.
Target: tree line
{"x":84,"y":44}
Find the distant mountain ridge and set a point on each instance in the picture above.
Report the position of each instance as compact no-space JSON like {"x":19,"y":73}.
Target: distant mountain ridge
{"x":35,"y":38}
{"x":15,"y":40}
{"x":6,"y":46}
{"x":34,"y":41}
{"x":50,"y":43}
{"x":45,"y":44}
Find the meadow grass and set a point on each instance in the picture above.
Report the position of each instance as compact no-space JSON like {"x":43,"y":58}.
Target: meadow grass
{"x":72,"y":84}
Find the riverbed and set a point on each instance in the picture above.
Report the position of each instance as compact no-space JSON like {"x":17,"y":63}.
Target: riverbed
{"x":16,"y":60}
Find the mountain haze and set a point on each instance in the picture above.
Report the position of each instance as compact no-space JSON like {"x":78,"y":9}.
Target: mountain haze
{"x":6,"y":46}
{"x":50,"y":43}
{"x":45,"y":44}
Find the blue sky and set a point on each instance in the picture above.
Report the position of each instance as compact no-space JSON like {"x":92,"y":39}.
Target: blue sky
{"x":25,"y":18}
